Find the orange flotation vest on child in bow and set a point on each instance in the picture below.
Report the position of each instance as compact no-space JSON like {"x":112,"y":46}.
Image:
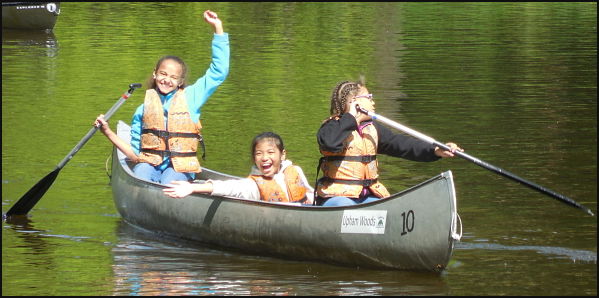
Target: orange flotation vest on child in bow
{"x":178,"y":140}
{"x":271,"y":191}
{"x":346,"y":173}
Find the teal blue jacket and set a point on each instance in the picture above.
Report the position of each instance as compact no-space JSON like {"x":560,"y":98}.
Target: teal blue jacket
{"x":197,"y":94}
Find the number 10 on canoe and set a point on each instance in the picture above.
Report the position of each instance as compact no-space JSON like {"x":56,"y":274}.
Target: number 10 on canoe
{"x":30,"y":198}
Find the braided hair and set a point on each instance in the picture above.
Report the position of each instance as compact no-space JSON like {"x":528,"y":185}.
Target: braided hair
{"x":342,"y":93}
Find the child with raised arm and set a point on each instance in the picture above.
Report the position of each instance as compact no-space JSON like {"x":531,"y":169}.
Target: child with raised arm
{"x":166,"y":128}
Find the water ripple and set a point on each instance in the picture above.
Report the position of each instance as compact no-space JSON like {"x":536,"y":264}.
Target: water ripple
{"x":576,"y":255}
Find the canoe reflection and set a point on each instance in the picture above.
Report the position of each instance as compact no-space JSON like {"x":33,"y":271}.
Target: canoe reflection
{"x":25,"y":40}
{"x":149,"y":264}
{"x":146,"y":264}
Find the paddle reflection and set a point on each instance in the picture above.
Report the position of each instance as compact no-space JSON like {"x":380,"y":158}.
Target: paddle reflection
{"x":33,"y":238}
{"x":29,"y":241}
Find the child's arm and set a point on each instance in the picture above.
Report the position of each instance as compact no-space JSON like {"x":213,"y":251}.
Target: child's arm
{"x":199,"y":92}
{"x":332,"y":134}
{"x":180,"y":189}
{"x":118,"y":142}
{"x":234,"y":188}
{"x":211,"y":18}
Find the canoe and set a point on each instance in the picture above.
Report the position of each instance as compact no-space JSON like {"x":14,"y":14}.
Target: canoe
{"x":30,"y":15}
{"x":414,"y":229}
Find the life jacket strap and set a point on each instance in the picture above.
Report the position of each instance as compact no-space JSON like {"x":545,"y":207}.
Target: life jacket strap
{"x":363,"y":182}
{"x":164,"y":153}
{"x":166,"y":135}
{"x":361,"y":158}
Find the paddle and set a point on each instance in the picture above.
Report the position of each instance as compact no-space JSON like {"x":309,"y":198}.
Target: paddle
{"x":479,"y":162}
{"x":29,"y":199}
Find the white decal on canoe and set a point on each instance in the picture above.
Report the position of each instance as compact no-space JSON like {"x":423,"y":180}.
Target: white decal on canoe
{"x":51,"y":7}
{"x":364,"y":221}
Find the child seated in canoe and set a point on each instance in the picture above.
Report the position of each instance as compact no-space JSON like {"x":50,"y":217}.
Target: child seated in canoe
{"x":166,"y":128}
{"x":273,"y":178}
{"x":349,"y":142}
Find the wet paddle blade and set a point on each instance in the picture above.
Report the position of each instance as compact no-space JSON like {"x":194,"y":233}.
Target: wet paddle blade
{"x":29,"y":199}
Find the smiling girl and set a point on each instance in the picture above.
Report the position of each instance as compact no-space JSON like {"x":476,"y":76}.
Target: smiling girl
{"x":273,"y":178}
{"x":166,"y":128}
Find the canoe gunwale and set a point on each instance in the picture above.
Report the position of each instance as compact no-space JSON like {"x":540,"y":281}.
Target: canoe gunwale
{"x":126,"y":167}
{"x":125,"y":164}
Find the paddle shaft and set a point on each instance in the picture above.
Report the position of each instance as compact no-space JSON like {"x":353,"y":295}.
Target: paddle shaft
{"x":30,"y":198}
{"x":479,"y":162}
{"x":93,"y":130}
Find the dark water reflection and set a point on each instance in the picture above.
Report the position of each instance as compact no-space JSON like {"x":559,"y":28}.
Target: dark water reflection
{"x":512,"y":83}
{"x":146,"y":265}
{"x":34,"y":43}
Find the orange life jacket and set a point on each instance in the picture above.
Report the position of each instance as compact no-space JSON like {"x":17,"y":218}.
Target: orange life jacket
{"x":347,"y":172}
{"x":178,"y":140}
{"x":271,"y":191}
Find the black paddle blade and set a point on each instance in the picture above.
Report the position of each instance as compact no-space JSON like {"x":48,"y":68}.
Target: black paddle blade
{"x":29,"y":199}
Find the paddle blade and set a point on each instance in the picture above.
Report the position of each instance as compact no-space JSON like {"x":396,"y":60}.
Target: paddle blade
{"x":29,"y":199}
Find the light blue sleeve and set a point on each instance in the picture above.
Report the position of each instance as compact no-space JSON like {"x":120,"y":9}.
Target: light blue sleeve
{"x":136,"y":129}
{"x":198,"y":93}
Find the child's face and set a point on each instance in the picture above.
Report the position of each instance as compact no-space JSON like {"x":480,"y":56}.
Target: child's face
{"x":168,"y":76}
{"x":268,"y":157}
{"x":364,"y":100}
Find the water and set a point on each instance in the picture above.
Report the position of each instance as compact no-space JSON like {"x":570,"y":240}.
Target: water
{"x":512,"y":83}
